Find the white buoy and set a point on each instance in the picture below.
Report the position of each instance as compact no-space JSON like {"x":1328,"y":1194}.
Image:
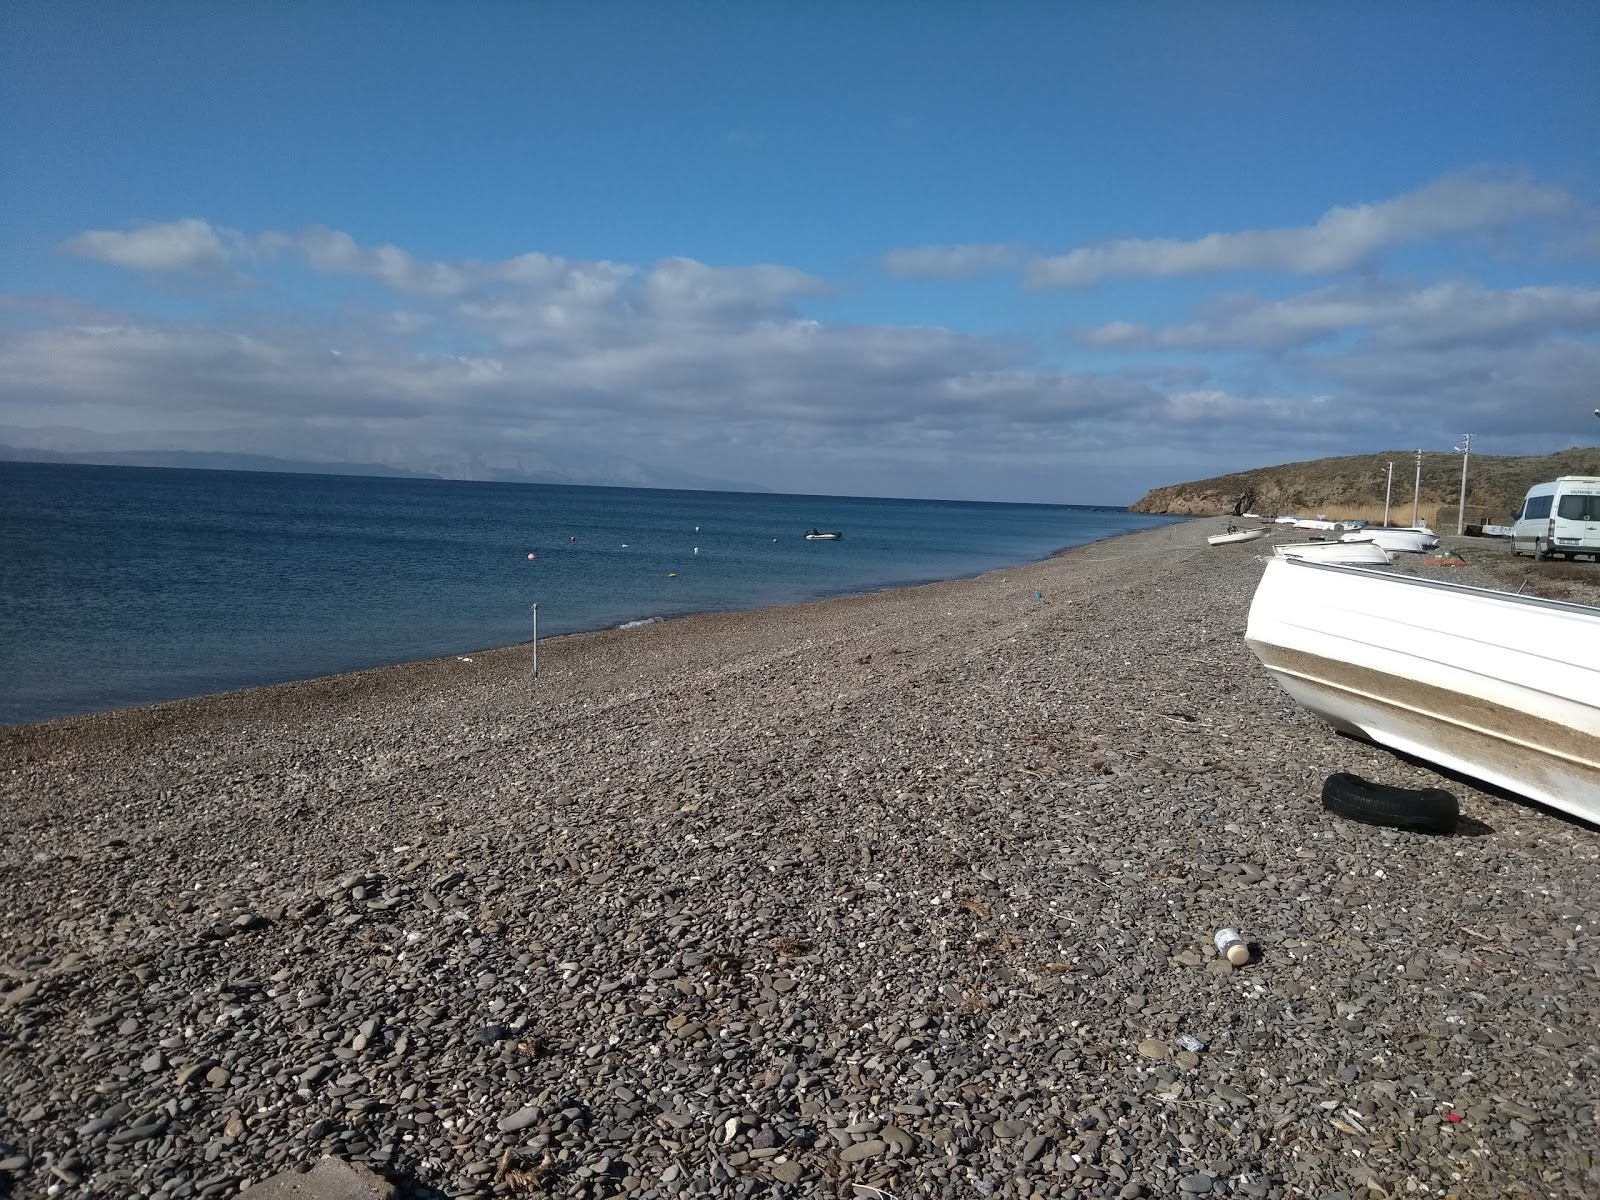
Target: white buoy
{"x":697,"y":549}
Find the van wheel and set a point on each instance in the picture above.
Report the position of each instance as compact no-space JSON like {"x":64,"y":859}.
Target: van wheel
{"x":1421,"y":810}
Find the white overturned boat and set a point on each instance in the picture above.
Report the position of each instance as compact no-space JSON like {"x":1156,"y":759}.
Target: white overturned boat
{"x":1236,"y":535}
{"x":1499,"y":687}
{"x":1407,"y":541}
{"x":1352,"y":554}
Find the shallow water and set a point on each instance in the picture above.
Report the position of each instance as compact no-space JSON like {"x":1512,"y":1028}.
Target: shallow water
{"x":128,"y":585}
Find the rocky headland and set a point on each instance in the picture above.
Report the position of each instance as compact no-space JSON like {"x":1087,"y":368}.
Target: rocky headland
{"x":1353,"y":487}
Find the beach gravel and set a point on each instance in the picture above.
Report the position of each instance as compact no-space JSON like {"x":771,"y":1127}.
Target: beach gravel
{"x":906,"y":894}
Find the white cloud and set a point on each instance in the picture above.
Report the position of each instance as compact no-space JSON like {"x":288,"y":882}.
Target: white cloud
{"x":697,"y":366}
{"x":1342,"y":238}
{"x":1446,"y":313}
{"x":189,"y":245}
{"x":949,"y":262}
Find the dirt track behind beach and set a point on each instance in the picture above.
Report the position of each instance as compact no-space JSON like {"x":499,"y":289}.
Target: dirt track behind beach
{"x":911,"y":890}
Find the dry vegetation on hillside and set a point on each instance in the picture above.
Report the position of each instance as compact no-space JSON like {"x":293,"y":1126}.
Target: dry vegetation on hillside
{"x":1353,"y":486}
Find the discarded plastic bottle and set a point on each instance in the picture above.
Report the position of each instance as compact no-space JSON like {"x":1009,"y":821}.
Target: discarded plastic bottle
{"x":1232,"y":946}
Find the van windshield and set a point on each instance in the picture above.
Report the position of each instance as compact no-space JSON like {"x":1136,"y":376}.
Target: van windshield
{"x":1579,"y":508}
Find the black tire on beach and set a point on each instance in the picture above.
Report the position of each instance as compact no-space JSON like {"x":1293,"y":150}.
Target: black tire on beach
{"x":1420,"y":810}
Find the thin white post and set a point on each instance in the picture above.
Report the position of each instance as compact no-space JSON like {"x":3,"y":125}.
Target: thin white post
{"x":1388,"y":495}
{"x":1461,"y":509}
{"x":1416,"y":491}
{"x":536,"y":641}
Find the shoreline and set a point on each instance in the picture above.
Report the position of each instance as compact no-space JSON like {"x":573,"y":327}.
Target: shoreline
{"x":911,"y":891}
{"x":625,"y":627}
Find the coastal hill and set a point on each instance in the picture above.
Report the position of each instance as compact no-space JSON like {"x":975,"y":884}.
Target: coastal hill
{"x":1352,"y":486}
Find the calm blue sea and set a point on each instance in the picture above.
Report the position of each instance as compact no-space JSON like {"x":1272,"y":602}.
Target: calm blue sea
{"x":128,"y":585}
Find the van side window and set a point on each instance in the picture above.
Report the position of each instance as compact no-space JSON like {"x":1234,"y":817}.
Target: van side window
{"x":1579,"y":508}
{"x":1538,"y":508}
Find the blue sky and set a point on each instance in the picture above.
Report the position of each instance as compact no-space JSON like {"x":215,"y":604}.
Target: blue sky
{"x":1025,"y":251}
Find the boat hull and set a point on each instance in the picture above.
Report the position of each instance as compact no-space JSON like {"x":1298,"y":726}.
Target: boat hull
{"x":1505,"y":689}
{"x":1408,"y":541}
{"x":1242,"y":535}
{"x":1356,"y":554}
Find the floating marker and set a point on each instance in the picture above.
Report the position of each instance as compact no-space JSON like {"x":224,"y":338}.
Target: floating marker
{"x":697,"y":549}
{"x":672,"y":574}
{"x":532,"y":556}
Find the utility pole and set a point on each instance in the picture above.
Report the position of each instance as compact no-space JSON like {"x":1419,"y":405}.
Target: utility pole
{"x":1388,"y":495}
{"x":1416,"y":491}
{"x":1465,"y":450}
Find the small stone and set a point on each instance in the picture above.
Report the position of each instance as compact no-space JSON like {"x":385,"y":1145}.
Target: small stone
{"x":139,"y":1133}
{"x":898,"y":1139}
{"x":152,"y":1062}
{"x":21,"y":997}
{"x":1219,"y":966}
{"x":128,"y":1028}
{"x":1196,"y":1185}
{"x":218,"y":1076}
{"x":195,"y":1071}
{"x":249,"y":921}
{"x":235,"y":1125}
{"x":1006,"y":1129}
{"x":1131,"y":1191}
{"x":862,"y":1150}
{"x":1034,"y":1148}
{"x":787,"y":1172}
{"x":490,"y":1034}
{"x":520,"y":1119}
{"x":16,"y":1162}
{"x":1151,"y":1048}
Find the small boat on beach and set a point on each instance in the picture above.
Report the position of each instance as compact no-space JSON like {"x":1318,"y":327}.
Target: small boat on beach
{"x":1354,"y":554}
{"x":1407,"y":541}
{"x":813,"y":535}
{"x":1499,"y":687}
{"x":1235,"y":535}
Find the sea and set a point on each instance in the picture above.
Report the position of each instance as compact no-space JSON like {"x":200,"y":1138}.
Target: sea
{"x":132,"y":585}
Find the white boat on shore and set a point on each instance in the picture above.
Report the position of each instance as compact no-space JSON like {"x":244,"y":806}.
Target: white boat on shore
{"x":1236,"y":535}
{"x":1499,"y":687}
{"x":1407,"y":541}
{"x":1352,"y":554}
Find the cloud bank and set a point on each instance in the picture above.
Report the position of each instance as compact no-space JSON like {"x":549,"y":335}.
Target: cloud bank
{"x":733,"y":371}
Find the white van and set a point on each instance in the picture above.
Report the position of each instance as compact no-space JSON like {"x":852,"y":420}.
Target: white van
{"x":1560,"y":519}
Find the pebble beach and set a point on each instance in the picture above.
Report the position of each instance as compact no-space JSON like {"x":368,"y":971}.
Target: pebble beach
{"x":907,"y":894}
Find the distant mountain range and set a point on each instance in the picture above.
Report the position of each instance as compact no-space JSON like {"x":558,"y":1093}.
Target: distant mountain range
{"x":595,"y":469}
{"x":203,"y":460}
